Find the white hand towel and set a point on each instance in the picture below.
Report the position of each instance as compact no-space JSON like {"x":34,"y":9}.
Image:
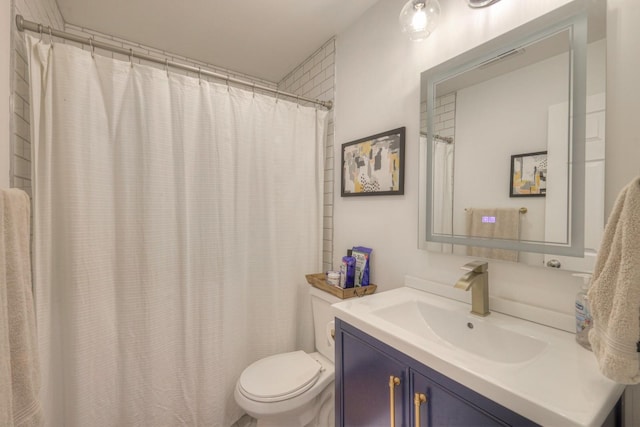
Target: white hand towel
{"x":19,"y":368}
{"x":614,"y":294}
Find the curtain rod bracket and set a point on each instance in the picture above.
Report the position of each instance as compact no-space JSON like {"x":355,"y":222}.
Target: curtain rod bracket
{"x":20,"y":22}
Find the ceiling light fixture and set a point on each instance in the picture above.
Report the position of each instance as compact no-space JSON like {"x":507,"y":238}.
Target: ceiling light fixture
{"x":481,"y":3}
{"x":419,"y":18}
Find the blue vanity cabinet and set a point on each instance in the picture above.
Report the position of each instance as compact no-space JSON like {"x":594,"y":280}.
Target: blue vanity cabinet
{"x":435,"y":404}
{"x":370,"y":382}
{"x":364,"y":397}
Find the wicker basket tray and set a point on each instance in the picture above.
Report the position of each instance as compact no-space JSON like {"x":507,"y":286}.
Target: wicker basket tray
{"x":318,"y":280}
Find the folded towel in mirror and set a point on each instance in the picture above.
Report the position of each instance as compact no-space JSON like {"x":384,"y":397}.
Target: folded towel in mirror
{"x":495,"y":223}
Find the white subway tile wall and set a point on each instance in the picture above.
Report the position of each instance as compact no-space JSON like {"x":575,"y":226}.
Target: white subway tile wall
{"x":315,"y":78}
{"x":444,"y":120}
{"x":47,"y":13}
{"x":444,"y":123}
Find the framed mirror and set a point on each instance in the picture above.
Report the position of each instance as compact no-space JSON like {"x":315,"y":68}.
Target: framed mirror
{"x":512,"y":146}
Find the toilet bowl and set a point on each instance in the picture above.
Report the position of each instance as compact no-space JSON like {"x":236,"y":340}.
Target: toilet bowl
{"x":294,"y":389}
{"x":294,"y":399}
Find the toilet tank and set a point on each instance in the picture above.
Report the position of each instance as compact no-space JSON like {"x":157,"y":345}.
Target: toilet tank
{"x":323,"y":321}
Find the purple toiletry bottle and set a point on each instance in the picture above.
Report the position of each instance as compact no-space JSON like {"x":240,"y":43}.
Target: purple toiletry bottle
{"x":348,"y":270}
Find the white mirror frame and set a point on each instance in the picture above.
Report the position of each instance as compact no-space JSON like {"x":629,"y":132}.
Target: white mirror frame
{"x":528,"y":33}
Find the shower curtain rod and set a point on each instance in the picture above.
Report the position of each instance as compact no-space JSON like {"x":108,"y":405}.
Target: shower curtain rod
{"x":24,"y":24}
{"x":447,"y":139}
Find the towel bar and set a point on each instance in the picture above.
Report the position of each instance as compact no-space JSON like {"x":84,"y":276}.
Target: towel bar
{"x":523,"y":210}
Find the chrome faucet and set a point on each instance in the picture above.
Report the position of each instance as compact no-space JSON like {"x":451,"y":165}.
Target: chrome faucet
{"x":477,"y":279}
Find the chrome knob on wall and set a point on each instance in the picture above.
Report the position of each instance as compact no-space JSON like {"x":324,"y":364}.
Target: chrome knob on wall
{"x":554,"y":263}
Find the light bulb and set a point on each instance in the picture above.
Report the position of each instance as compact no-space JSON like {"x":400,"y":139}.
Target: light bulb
{"x":418,"y":18}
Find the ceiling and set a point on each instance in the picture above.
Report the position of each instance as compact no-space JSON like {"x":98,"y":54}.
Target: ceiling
{"x":264,"y":39}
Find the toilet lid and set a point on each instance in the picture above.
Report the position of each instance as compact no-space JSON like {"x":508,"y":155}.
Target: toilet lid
{"x":279,"y":377}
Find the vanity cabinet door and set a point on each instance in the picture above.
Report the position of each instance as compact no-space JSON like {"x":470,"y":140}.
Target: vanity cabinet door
{"x":364,"y":397}
{"x":370,"y":385}
{"x":435,"y":405}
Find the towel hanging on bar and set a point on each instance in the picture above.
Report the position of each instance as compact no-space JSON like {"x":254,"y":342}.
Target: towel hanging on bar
{"x":19,"y":368}
{"x":497,"y":223}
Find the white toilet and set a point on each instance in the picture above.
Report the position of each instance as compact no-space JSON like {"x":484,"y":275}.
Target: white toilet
{"x":294,"y":389}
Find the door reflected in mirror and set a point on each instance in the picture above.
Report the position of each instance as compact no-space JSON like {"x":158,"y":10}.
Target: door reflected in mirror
{"x":511,"y":137}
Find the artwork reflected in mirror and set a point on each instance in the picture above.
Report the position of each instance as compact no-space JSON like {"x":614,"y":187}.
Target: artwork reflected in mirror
{"x":528,"y":175}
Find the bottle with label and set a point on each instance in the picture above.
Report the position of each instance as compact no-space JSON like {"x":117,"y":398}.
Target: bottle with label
{"x":584,"y":321}
{"x":347,"y":270}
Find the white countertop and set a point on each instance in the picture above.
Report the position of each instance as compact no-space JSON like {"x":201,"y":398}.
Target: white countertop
{"x":560,"y":386}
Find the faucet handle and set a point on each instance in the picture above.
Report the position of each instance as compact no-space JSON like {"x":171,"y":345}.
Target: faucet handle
{"x":476,"y":266}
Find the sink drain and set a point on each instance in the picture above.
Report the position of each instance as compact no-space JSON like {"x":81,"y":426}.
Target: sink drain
{"x":469,"y":325}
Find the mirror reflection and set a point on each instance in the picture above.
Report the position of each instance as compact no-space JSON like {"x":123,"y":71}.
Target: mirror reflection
{"x":501,"y":167}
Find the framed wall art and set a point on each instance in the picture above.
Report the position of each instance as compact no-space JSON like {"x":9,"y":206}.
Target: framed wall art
{"x":528,"y":175}
{"x":374,"y":166}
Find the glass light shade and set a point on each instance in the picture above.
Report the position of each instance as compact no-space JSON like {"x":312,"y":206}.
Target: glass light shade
{"x":481,"y":3}
{"x":419,"y":18}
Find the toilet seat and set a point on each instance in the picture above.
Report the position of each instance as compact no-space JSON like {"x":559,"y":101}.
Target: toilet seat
{"x":279,"y":377}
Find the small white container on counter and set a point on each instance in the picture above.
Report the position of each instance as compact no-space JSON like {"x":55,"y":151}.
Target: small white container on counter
{"x":333,"y":278}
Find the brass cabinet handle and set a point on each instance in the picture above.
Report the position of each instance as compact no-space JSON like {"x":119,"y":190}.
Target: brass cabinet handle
{"x":418,"y":399}
{"x":393,"y":382}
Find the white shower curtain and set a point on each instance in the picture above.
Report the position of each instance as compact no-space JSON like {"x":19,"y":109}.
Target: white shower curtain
{"x":443,"y":191}
{"x":174,"y":222}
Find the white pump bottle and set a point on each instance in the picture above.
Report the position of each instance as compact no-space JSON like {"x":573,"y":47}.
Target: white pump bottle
{"x":584,"y":321}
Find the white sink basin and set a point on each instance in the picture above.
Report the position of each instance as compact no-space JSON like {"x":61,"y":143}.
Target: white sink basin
{"x":537,"y":371}
{"x":453,"y":324}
